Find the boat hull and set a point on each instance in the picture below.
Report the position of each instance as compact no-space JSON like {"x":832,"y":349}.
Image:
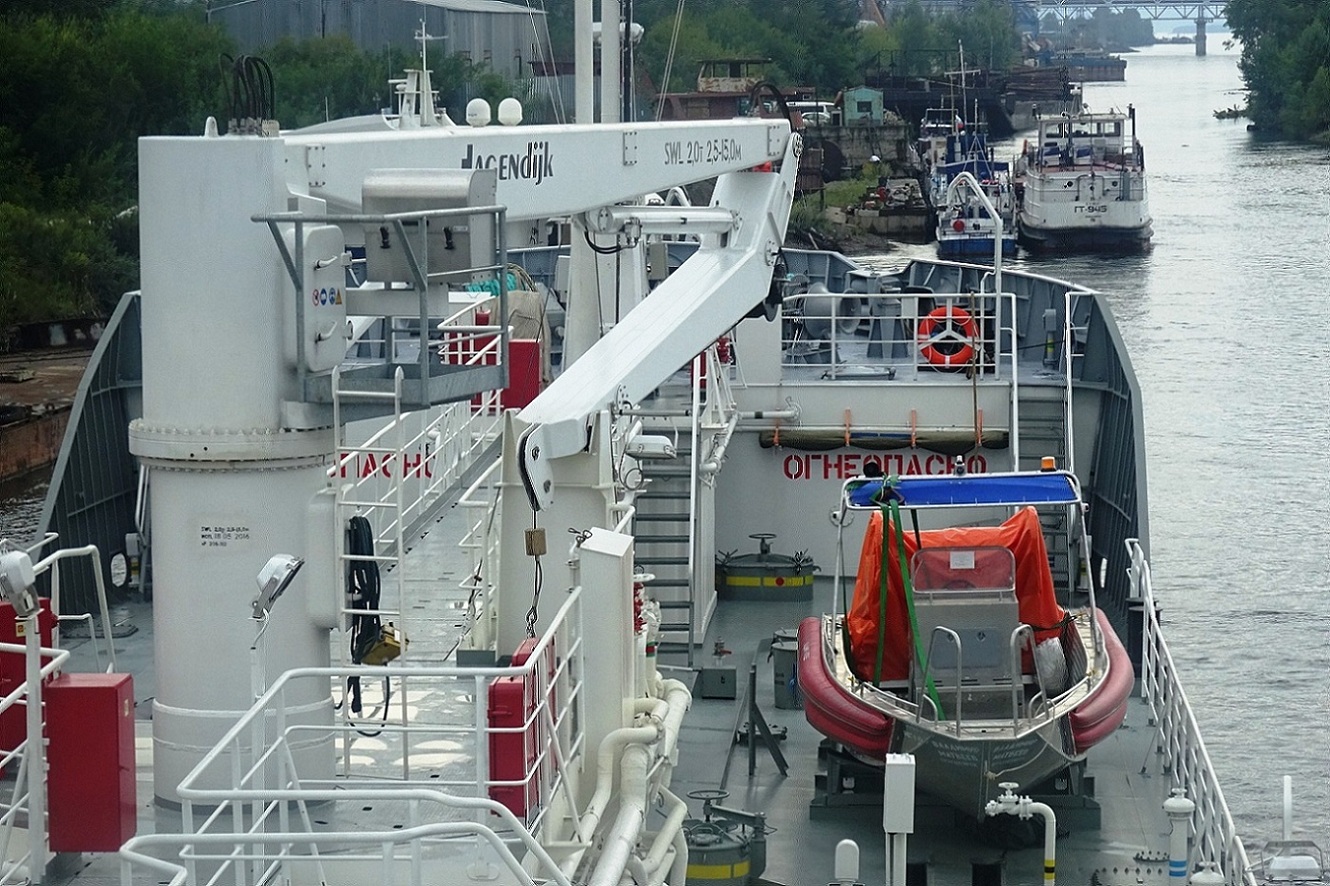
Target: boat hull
{"x":1100,"y":238}
{"x":965,"y":772}
{"x":976,"y":247}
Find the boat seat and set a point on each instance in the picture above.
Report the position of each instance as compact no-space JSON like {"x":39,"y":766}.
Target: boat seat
{"x":969,"y":619}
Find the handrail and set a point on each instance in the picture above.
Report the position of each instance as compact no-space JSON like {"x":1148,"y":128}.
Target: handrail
{"x":417,"y":260}
{"x":1180,"y":741}
{"x":95,"y":561}
{"x":131,"y":852}
{"x":803,"y":349}
{"x":260,"y":825}
{"x":188,"y":786}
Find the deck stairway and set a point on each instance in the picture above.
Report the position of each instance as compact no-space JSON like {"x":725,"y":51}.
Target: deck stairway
{"x":664,"y":549}
{"x":675,"y":520}
{"x":1043,"y":433}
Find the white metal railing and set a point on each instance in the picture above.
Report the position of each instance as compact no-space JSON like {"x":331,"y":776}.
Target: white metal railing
{"x":482,"y":504}
{"x":26,"y":805}
{"x":909,"y":332}
{"x":27,"y":797}
{"x":399,"y":473}
{"x":1214,"y":835}
{"x":246,"y":807}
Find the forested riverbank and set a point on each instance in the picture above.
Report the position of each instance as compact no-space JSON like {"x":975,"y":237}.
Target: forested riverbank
{"x":1286,"y":64}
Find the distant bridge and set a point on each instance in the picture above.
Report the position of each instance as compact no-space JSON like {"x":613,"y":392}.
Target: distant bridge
{"x":1183,"y":10}
{"x":1202,"y":12}
{"x":1188,"y":10}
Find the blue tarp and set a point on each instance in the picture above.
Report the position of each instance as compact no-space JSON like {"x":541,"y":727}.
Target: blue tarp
{"x":1044,"y":488}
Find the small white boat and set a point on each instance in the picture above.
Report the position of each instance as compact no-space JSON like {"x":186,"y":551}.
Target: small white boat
{"x":1081,"y":184}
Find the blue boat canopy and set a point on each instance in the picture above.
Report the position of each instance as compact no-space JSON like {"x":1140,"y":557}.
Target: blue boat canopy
{"x":970,"y":490}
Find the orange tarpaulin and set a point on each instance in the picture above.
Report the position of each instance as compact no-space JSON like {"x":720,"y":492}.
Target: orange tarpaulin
{"x":1021,"y":534}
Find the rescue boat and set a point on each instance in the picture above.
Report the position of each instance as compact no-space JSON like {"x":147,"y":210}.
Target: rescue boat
{"x":956,"y":646}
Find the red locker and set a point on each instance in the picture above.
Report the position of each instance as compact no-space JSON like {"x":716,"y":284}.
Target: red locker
{"x":512,"y":703}
{"x":91,"y":791}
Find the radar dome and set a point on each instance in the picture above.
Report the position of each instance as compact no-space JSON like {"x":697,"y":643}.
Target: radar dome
{"x":510,"y":112}
{"x":478,"y":112}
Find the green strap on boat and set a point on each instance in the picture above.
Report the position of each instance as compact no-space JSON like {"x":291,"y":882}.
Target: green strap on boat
{"x":882,"y":601}
{"x":908,"y":585}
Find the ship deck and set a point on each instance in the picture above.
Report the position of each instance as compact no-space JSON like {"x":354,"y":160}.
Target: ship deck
{"x":1128,"y":846}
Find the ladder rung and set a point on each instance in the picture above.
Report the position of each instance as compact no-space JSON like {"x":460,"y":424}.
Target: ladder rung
{"x":665,"y":471}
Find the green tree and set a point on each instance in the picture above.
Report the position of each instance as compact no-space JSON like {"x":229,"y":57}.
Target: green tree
{"x":328,"y":78}
{"x":1285,"y":63}
{"x":80,"y":82}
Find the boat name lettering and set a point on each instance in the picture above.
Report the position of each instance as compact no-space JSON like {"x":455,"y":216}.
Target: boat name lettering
{"x":712,"y":150}
{"x":1091,"y":207}
{"x":362,"y":465}
{"x":536,"y":165}
{"x":843,"y":466}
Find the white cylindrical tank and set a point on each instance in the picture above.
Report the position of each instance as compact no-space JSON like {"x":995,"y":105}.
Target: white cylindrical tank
{"x":230,"y":486}
{"x":223,"y":526}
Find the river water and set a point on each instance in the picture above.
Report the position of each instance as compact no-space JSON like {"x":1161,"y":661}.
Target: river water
{"x":1228,"y":324}
{"x":1227,"y":321}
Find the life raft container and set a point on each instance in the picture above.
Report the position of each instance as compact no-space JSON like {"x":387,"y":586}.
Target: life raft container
{"x":947,"y":336}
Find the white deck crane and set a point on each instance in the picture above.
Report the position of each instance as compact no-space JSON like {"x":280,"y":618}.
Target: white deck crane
{"x":235,"y":458}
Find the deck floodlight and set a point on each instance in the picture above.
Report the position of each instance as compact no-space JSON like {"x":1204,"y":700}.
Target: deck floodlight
{"x":17,"y":579}
{"x":273,"y":579}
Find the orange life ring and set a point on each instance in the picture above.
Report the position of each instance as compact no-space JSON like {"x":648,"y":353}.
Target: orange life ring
{"x":947,"y":336}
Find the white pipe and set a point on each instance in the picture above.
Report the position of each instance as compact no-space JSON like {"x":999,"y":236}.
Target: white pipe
{"x":1288,"y":807}
{"x":661,"y":877}
{"x":666,"y":715}
{"x":34,"y":751}
{"x":622,"y":837}
{"x":680,"y":700}
{"x":1023,"y":808}
{"x":643,"y":678}
{"x":793,"y":412}
{"x":674,"y":818}
{"x":611,"y":749}
{"x":635,"y":873}
{"x":679,"y":868}
{"x":1050,"y":839}
{"x":718,"y":454}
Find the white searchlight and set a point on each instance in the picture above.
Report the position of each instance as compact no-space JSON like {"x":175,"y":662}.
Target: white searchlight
{"x":273,"y":579}
{"x":17,"y":579}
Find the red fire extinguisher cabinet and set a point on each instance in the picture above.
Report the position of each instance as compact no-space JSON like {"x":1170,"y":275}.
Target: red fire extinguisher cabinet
{"x":91,"y":791}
